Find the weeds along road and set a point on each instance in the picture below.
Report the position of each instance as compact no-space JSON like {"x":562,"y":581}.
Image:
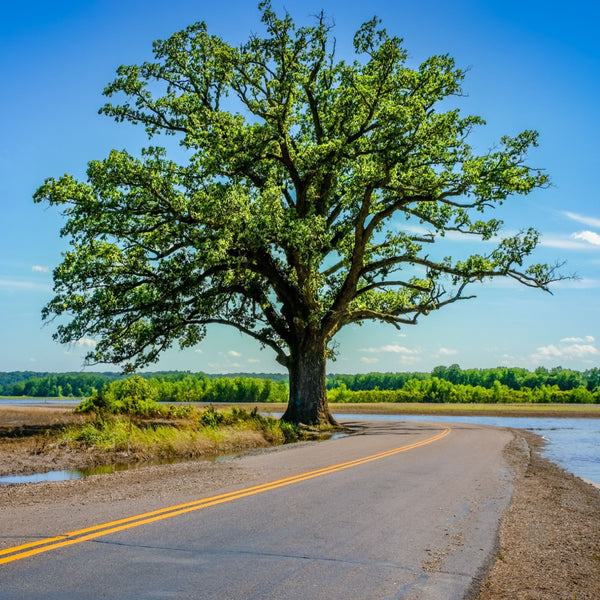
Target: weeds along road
{"x":399,"y":510}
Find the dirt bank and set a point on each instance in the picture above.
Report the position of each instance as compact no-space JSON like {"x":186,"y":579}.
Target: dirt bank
{"x":30,"y":442}
{"x":550,"y":534}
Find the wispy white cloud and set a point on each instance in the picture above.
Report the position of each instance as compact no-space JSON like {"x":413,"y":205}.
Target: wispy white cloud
{"x":253,"y":361}
{"x":563,"y":242}
{"x":233,"y":354}
{"x":406,"y":355}
{"x":567,"y":349}
{"x":219,"y":367}
{"x":588,"y":236}
{"x":86,"y":343}
{"x":390,"y":348}
{"x":450,"y":236}
{"x":40,"y":269}
{"x":577,"y":284}
{"x":411,"y":359}
{"x":369,"y":360}
{"x":508,"y":360}
{"x":446,"y":352}
{"x":16,"y":285}
{"x":572,"y":351}
{"x":412,"y":228}
{"x":578,"y":340}
{"x":589,"y":221}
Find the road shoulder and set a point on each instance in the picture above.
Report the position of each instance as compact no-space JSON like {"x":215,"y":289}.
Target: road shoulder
{"x":550,"y":535}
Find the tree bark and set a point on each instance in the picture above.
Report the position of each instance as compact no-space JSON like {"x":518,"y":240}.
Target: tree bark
{"x":308,"y":391}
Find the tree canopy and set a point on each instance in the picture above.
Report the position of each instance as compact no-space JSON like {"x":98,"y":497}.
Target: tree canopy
{"x":309,"y":193}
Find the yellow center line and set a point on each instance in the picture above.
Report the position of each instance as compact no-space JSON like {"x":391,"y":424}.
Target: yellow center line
{"x":89,"y":533}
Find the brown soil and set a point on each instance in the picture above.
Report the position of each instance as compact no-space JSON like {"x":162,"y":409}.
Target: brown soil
{"x":549,"y":540}
{"x":26,"y":440}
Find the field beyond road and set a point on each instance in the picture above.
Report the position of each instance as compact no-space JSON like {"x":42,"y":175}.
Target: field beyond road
{"x":443,"y":408}
{"x":492,"y":410}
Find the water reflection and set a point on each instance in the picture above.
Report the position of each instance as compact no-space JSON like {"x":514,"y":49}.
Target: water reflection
{"x":40,"y":477}
{"x":70,"y":474}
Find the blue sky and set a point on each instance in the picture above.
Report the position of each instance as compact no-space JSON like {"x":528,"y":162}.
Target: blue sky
{"x":531,"y":65}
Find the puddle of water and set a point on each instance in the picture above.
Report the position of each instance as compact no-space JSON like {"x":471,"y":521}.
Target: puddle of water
{"x":40,"y":477}
{"x":70,"y":474}
{"x":337,"y":436}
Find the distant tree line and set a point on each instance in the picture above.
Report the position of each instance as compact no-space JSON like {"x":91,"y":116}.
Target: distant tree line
{"x":443,"y":384}
{"x":439,"y":390}
{"x":514,"y":378}
{"x":53,"y":385}
{"x":453,"y":384}
{"x":170,"y":386}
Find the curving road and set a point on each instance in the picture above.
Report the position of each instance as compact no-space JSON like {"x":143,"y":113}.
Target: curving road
{"x":399,"y":510}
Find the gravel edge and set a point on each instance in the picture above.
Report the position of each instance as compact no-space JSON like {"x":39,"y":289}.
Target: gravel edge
{"x":549,"y":538}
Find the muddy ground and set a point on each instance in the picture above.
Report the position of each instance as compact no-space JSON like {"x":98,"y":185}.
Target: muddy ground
{"x":549,"y":541}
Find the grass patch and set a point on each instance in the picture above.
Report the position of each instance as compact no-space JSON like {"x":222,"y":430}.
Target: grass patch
{"x":127,"y":422}
{"x":176,"y":432}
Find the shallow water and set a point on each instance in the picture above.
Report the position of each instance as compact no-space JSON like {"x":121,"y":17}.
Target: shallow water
{"x":69,"y":474}
{"x":572,"y":443}
{"x":40,"y":401}
{"x":65,"y":475}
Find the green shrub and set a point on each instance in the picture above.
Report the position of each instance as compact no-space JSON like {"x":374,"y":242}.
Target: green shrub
{"x":132,"y":396}
{"x":290,"y":432}
{"x":211,"y":418}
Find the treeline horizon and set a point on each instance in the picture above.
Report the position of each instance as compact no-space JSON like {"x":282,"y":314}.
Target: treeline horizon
{"x":442,"y":384}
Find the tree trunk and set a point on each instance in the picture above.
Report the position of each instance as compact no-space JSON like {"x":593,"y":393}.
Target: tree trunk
{"x":308,"y":392}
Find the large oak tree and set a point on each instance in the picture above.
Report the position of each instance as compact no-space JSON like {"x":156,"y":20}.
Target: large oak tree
{"x":311,"y":195}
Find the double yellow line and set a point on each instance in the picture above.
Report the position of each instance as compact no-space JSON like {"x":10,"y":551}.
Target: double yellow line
{"x":82,"y":535}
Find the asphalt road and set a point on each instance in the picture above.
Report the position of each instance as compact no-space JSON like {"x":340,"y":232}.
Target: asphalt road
{"x":402,"y":510}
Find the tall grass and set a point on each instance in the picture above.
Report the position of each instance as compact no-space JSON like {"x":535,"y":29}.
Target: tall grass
{"x":194,"y":433}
